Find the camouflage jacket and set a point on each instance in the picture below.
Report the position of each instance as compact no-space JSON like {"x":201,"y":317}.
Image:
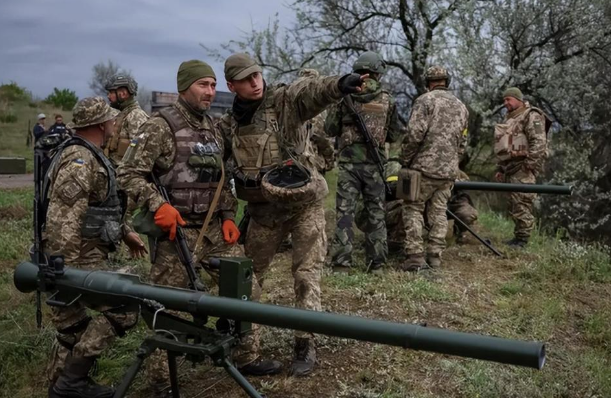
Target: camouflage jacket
{"x":379,"y":112}
{"x":324,"y":153}
{"x":154,"y":149}
{"x":127,"y":124}
{"x":294,"y":105}
{"x":77,"y":180}
{"x":437,"y":134}
{"x":534,"y":125}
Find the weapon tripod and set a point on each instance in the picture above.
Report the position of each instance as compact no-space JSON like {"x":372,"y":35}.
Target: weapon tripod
{"x":184,"y":337}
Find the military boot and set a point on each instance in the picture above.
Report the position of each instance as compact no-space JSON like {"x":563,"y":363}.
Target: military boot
{"x":261,"y":367}
{"x":161,"y":390}
{"x":74,"y":381}
{"x":305,"y":357}
{"x":517,"y":243}
{"x":433,"y":260}
{"x":414,"y":263}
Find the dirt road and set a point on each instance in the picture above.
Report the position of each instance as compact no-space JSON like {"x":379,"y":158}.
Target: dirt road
{"x":9,"y":181}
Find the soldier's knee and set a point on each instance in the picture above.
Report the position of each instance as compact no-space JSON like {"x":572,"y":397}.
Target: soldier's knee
{"x":68,"y":336}
{"x":121,"y":321}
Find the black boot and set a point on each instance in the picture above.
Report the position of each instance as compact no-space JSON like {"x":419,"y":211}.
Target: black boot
{"x":74,"y":381}
{"x":261,"y":367}
{"x":517,"y":243}
{"x":305,"y":357}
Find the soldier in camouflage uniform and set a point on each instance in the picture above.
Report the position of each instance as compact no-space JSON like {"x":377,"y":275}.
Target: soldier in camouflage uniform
{"x":521,"y":149}
{"x":358,"y":173}
{"x":436,"y":139}
{"x":462,"y":206}
{"x":169,"y":145}
{"x":265,"y":128}
{"x":122,"y":91}
{"x":83,"y":224}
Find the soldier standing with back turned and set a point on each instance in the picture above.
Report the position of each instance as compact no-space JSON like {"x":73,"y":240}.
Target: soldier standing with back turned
{"x":265,"y":131}
{"x":521,"y":149}
{"x":358,"y":172}
{"x":436,"y":138}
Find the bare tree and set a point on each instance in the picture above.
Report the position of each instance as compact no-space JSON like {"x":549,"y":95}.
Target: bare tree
{"x":101,"y":74}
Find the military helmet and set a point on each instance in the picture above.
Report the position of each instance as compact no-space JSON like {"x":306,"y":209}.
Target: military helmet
{"x":437,"y":72}
{"x":122,"y":80}
{"x":370,"y":61}
{"x":291,"y":183}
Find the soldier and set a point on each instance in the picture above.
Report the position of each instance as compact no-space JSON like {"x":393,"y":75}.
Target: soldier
{"x":83,"y":224}
{"x":436,"y":138}
{"x":169,"y":145}
{"x":122,"y":91}
{"x":264,"y":129}
{"x":521,"y":149}
{"x":461,"y":205}
{"x":358,"y":171}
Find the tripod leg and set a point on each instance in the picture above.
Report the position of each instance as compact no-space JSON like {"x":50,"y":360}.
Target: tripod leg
{"x":173,"y":374}
{"x":241,"y":380}
{"x":472,"y":232}
{"x":144,"y":352}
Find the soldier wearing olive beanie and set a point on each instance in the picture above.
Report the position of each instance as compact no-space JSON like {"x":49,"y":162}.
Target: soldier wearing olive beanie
{"x":191,"y":71}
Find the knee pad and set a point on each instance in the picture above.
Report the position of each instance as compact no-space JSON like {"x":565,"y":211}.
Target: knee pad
{"x":67,"y":336}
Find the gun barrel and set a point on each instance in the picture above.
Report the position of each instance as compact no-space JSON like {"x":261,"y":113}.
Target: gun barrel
{"x":107,"y":287}
{"x":504,"y":187}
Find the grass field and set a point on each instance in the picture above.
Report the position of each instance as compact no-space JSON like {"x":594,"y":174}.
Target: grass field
{"x":556,"y":291}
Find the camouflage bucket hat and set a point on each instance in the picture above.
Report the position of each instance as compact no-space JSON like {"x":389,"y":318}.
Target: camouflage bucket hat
{"x":240,"y":65}
{"x":91,"y":111}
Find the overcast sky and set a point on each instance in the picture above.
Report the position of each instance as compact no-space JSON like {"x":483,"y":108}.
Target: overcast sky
{"x":55,"y":43}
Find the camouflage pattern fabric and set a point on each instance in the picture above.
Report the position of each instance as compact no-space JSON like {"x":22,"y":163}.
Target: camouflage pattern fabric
{"x":434,"y":195}
{"x":77,"y":180}
{"x":155,"y":149}
{"x":294,"y":105}
{"x":437,"y":133}
{"x":524,"y":170}
{"x":167,"y":270}
{"x":269,"y":225}
{"x":461,"y":205}
{"x":324,"y":153}
{"x":354,"y":180}
{"x":531,"y":122}
{"x":395,"y":228}
{"x":359,"y":175}
{"x":127,"y":124}
{"x":521,"y":204}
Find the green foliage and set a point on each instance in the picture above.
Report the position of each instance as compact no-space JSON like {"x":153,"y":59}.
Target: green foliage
{"x":8,"y":117}
{"x":64,"y":98}
{"x":12,"y":92}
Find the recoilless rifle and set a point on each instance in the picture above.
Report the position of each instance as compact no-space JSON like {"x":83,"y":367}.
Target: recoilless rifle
{"x":235,"y":311}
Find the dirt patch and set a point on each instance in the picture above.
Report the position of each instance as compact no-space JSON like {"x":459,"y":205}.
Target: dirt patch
{"x":14,"y":212}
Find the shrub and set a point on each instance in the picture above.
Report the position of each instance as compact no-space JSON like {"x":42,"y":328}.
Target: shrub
{"x":64,"y":98}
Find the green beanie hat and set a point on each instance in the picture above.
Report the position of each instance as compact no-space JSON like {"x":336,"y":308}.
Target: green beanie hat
{"x":190,"y":71}
{"x":514,"y":92}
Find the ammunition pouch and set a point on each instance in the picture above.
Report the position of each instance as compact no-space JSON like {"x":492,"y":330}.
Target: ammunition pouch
{"x":122,"y":146}
{"x":408,"y":185}
{"x":191,"y":198}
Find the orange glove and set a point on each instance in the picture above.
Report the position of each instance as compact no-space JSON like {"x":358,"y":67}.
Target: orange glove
{"x":231,"y":233}
{"x":167,"y":218}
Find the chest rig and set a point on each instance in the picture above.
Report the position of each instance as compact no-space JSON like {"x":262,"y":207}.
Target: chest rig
{"x":510,"y":141}
{"x":191,"y":185}
{"x":256,"y":150}
{"x":374,"y":113}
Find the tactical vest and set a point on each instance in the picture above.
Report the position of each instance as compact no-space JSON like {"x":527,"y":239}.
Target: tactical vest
{"x":256,"y":150}
{"x":102,"y":219}
{"x":510,"y":141}
{"x":119,"y":142}
{"x":190,"y":193}
{"x":374,"y":114}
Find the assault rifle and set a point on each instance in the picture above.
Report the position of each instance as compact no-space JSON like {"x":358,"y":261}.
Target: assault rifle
{"x":370,"y":142}
{"x":179,"y":337}
{"x":184,"y":254}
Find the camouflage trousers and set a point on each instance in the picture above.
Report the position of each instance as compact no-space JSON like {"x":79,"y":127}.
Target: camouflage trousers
{"x":395,"y":225}
{"x":521,"y":204}
{"x":168,"y":270}
{"x":434,"y":196}
{"x":268,"y":227}
{"x":460,"y":204}
{"x":80,"y":334}
{"x":354,"y":180}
